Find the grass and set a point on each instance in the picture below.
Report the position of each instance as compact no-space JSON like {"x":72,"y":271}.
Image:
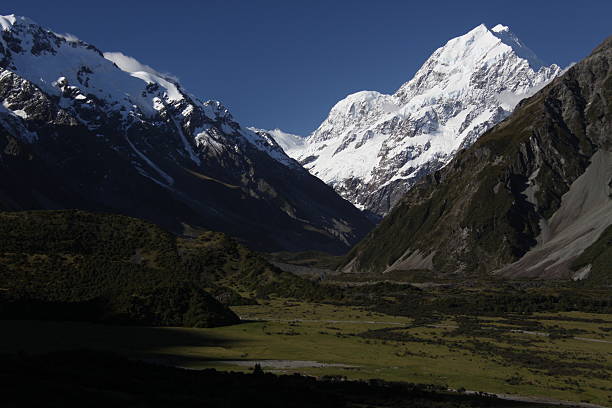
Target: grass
{"x":476,"y":354}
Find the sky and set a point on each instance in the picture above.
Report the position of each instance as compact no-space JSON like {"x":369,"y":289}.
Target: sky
{"x":284,"y":64}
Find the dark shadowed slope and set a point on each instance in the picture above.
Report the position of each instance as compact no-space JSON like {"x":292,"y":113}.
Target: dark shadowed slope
{"x":73,"y":265}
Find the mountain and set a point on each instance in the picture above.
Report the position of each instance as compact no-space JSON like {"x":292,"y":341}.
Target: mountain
{"x":290,"y":143}
{"x":104,"y":132}
{"x":373,"y":147}
{"x":532,"y":198}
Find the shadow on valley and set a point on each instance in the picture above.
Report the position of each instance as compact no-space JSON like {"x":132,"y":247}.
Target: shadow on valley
{"x":157,"y":344}
{"x":102,"y":379}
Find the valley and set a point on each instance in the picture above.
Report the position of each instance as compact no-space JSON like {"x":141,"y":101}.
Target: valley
{"x":207,"y":302}
{"x":503,"y":354}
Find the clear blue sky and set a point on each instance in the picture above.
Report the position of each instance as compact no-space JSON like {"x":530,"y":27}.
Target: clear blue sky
{"x":286,"y":63}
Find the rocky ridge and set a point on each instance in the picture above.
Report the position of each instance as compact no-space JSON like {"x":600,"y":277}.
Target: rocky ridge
{"x":100,"y":131}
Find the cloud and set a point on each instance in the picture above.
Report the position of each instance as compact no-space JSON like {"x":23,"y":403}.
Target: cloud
{"x":129,"y":64}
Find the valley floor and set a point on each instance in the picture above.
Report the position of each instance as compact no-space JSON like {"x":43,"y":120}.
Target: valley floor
{"x":552,"y":356}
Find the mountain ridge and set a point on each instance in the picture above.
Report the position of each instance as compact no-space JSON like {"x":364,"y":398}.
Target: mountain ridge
{"x":77,"y":131}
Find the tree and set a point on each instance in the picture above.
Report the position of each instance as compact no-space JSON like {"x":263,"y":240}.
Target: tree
{"x":257,"y":370}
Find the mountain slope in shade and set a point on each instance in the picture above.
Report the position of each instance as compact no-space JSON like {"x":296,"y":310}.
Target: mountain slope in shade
{"x":531,"y":198}
{"x":74,"y":265}
{"x":83,"y":129}
{"x":373,"y":147}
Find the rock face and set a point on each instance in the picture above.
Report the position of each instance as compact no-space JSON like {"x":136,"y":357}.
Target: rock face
{"x":531,"y":198}
{"x":373,"y":147}
{"x":103,"y":132}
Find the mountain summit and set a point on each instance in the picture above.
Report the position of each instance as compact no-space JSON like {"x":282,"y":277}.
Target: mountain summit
{"x":373,"y":147}
{"x":104,"y":132}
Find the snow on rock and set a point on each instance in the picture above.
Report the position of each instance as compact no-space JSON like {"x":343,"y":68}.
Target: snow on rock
{"x":6,"y":22}
{"x":287,"y":141}
{"x":266,"y":142}
{"x":146,"y":73}
{"x":115,"y":85}
{"x":373,"y":147}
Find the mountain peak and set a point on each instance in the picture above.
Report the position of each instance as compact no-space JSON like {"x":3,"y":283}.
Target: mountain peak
{"x":372,"y":147}
{"x":506,"y":36}
{"x":482,"y":43}
{"x":8,"y":21}
{"x":472,"y":47}
{"x":481,"y":28}
{"x":500,"y":28}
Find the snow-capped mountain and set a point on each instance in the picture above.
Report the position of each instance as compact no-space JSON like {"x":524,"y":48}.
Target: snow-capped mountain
{"x":289,"y":142}
{"x":373,"y":147}
{"x":531,"y":198}
{"x":84,"y":129}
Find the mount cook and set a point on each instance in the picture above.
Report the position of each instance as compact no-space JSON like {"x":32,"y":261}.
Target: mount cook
{"x":373,"y":147}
